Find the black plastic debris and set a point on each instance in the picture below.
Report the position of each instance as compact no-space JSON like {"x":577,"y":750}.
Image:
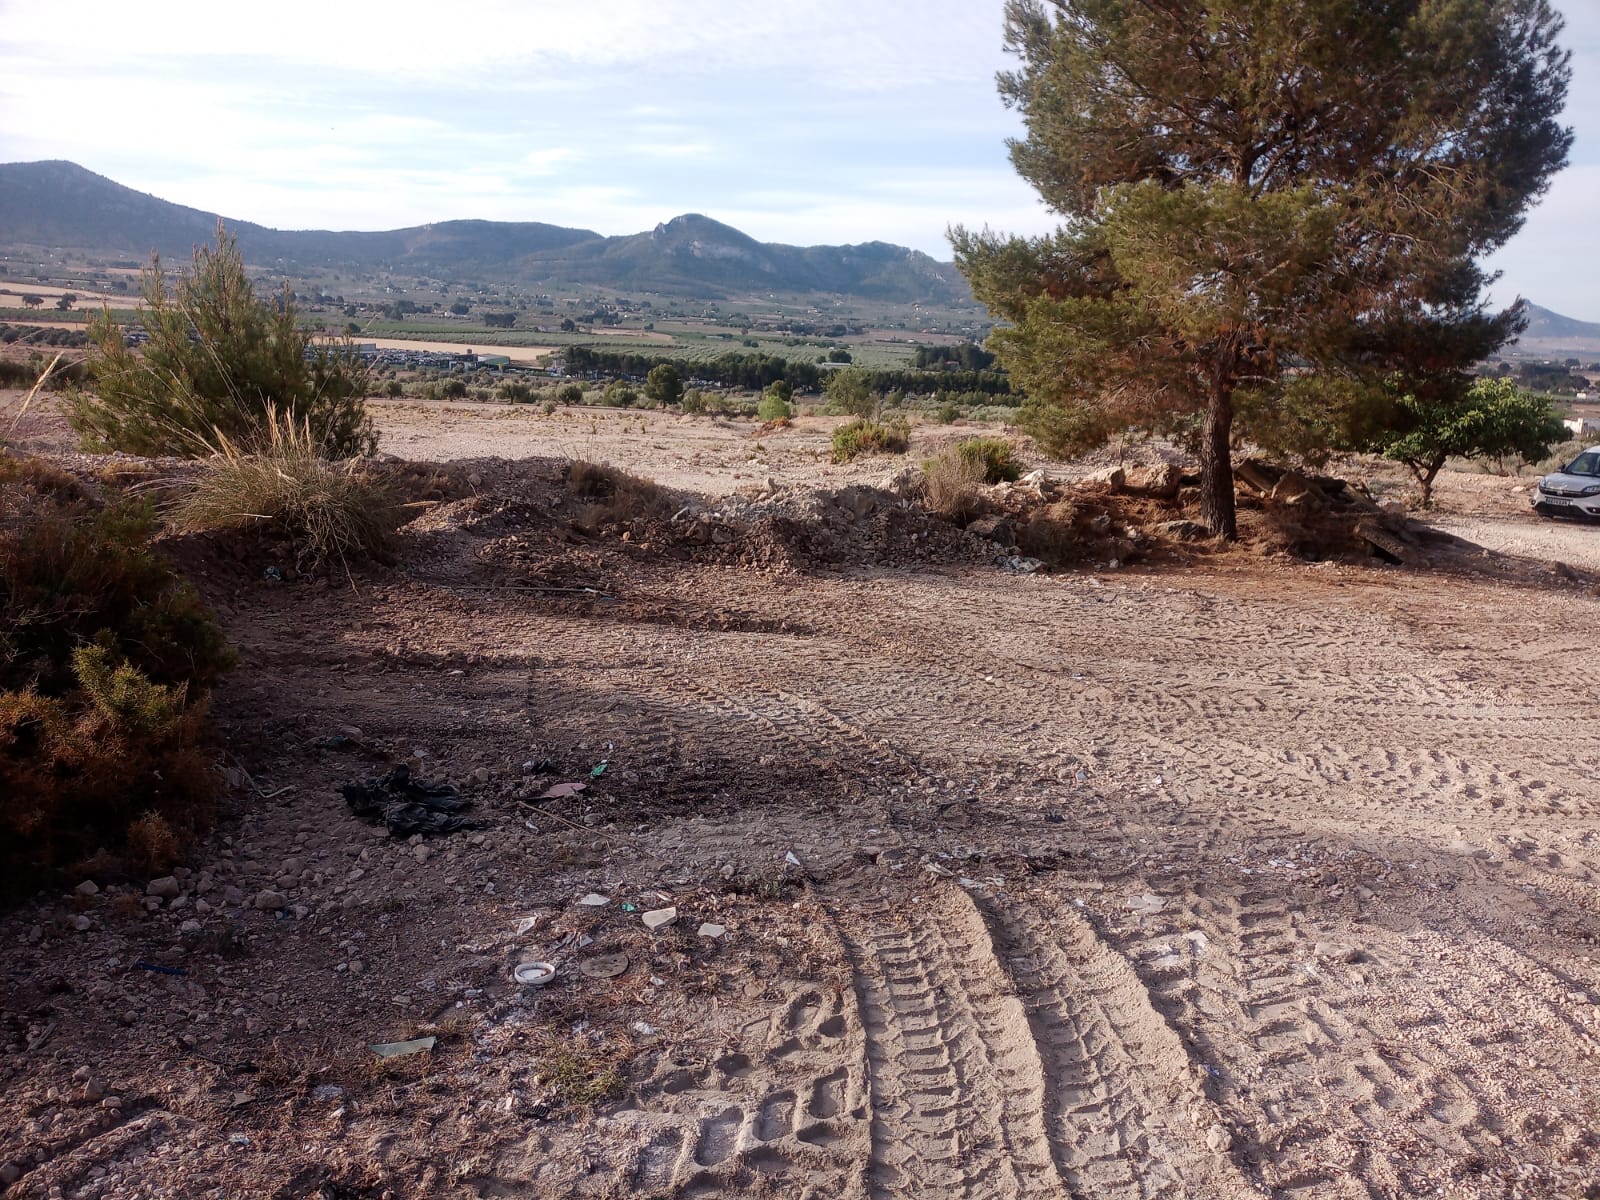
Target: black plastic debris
{"x":408,"y":805}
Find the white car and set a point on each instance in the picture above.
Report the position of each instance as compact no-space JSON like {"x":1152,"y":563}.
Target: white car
{"x":1573,"y":491}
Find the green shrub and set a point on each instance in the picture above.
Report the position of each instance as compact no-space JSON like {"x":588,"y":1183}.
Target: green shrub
{"x":994,"y":456}
{"x":947,"y":413}
{"x":570,"y":393}
{"x":869,"y":437}
{"x":330,"y":511}
{"x":773,"y":407}
{"x":105,"y":658}
{"x":516,"y":392}
{"x":455,"y":389}
{"x":217,"y":361}
{"x":694,"y":402}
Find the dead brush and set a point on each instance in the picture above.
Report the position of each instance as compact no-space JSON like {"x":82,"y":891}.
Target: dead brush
{"x":951,"y":485}
{"x":615,"y":497}
{"x":331,"y":511}
{"x":1053,"y":536}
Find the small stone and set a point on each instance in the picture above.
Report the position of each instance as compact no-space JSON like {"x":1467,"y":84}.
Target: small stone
{"x":422,"y":854}
{"x":95,"y":1089}
{"x":82,"y":1075}
{"x":166,"y":887}
{"x":1337,"y":952}
{"x":1219,"y":1139}
{"x":88,"y":888}
{"x":9,"y":1174}
{"x":660,"y":918}
{"x":202,"y":907}
{"x":594,"y":900}
{"x":111,"y":1102}
{"x":190,"y":926}
{"x":270,"y":901}
{"x":714,"y":932}
{"x":232,"y":896}
{"x":82,"y":924}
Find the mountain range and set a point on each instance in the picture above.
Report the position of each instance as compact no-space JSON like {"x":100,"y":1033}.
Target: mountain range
{"x":60,"y":205}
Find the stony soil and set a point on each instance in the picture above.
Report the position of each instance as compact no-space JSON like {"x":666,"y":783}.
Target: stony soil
{"x":1222,"y":875}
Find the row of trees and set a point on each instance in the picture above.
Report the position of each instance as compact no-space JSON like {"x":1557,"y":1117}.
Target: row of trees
{"x":757,"y":372}
{"x":1275,"y":214}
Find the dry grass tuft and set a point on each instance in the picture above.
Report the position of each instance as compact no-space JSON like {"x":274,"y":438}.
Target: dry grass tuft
{"x":332,"y":511}
{"x":616,"y":497}
{"x":951,"y":485}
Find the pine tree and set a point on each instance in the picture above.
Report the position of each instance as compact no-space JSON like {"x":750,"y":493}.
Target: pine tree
{"x":1270,"y":206}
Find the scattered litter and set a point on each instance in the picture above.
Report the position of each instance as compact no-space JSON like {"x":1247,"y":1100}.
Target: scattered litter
{"x":272,"y":575}
{"x":791,"y":859}
{"x":630,"y":907}
{"x":1148,"y":904}
{"x":605,"y":966}
{"x":534,"y":974}
{"x":538,"y":766}
{"x":408,"y":806}
{"x":326,"y":1092}
{"x":564,"y":791}
{"x":594,"y":900}
{"x":238,"y":1139}
{"x":403,"y":1049}
{"x":645,"y":1029}
{"x":599,"y":770}
{"x":968,"y":883}
{"x":661,"y":918}
{"x":714,"y":932}
{"x":1055,"y":818}
{"x":1022,"y":566}
{"x":1198,"y":942}
{"x":145,"y":966}
{"x":528,"y":924}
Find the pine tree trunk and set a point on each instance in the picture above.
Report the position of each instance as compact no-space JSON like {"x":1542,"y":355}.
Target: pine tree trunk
{"x":1216,"y":466}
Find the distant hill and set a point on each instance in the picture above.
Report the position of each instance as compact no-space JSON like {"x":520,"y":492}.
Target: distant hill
{"x":1552,"y":330}
{"x":62,"y":205}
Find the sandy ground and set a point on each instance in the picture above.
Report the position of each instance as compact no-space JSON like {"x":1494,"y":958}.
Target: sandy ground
{"x":1247,"y":878}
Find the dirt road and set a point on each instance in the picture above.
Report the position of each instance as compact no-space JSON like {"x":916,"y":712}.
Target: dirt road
{"x":1243,"y":880}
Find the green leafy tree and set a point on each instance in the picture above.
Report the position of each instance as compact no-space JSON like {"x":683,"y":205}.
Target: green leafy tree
{"x":1271,"y":210}
{"x":66,"y":301}
{"x":500,"y":320}
{"x":1489,"y":419}
{"x":218,"y":361}
{"x":33,"y":301}
{"x":663,"y":385}
{"x":850,"y":391}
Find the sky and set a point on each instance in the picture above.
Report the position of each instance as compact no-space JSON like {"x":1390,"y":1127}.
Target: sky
{"x":806,"y":122}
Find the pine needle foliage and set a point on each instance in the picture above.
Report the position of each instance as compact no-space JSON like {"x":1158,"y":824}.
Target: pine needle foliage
{"x":217,"y":359}
{"x":105,"y":658}
{"x":1272,"y":212}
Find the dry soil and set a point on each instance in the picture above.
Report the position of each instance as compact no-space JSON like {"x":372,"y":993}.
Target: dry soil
{"x":1242,"y":878}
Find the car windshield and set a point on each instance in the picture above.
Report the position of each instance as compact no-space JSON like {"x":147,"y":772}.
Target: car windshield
{"x":1587,"y":463}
